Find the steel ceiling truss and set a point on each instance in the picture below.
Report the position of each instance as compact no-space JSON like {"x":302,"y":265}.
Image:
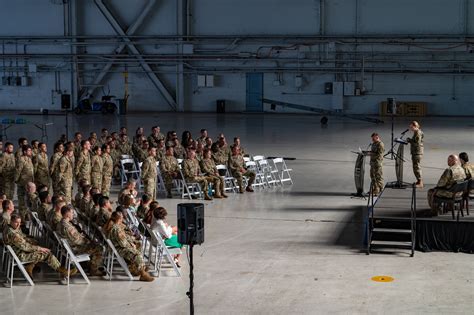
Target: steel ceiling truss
{"x":132,"y":48}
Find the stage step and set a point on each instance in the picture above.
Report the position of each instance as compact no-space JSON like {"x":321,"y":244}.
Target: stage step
{"x":392,"y":223}
{"x":390,"y":244}
{"x":382,"y":230}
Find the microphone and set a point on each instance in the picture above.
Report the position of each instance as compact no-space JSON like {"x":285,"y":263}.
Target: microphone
{"x":405,"y":131}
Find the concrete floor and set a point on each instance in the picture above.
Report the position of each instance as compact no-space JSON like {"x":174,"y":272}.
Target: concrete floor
{"x":288,"y":250}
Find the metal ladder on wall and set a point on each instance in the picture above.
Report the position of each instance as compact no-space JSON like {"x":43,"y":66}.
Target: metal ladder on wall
{"x":389,"y":232}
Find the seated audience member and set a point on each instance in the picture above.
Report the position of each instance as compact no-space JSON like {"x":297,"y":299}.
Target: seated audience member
{"x":85,"y":202}
{"x":238,"y":170}
{"x":126,"y":246}
{"x":468,"y":168}
{"x":45,"y":205}
{"x":94,"y":207}
{"x":105,"y":210}
{"x":169,"y":168}
{"x":454,"y":173}
{"x":167,"y":232}
{"x":128,"y":190}
{"x":144,"y":206}
{"x":27,"y":249}
{"x":78,"y":242}
{"x":8,"y":209}
{"x":55,"y":215}
{"x":32,"y":201}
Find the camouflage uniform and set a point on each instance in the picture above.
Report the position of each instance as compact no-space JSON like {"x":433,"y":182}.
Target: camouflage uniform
{"x":141,"y":154}
{"x":236,"y":163}
{"x":448,"y":179}
{"x":169,"y":165}
{"x":191,"y":172}
{"x":124,"y":148}
{"x":40,"y":162}
{"x":142,"y":211}
{"x":127,"y":248}
{"x":83,"y":167}
{"x":24,"y":174}
{"x":32,"y":201}
{"x":416,"y":150}
{"x":115,"y":154}
{"x":103,"y":216}
{"x":7,"y":171}
{"x":5,"y":220}
{"x":107,"y":171}
{"x":469,"y":170}
{"x":376,"y":171}
{"x":160,"y":154}
{"x":208,"y":167}
{"x":80,"y":244}
{"x":148,"y":177}
{"x":154,"y":139}
{"x":54,"y":171}
{"x":65,"y":177}
{"x":54,"y":218}
{"x":179,"y":151}
{"x":96,"y":172}
{"x":26,"y":248}
{"x":43,"y":211}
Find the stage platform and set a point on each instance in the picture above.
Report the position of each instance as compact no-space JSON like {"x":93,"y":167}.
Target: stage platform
{"x":433,"y":233}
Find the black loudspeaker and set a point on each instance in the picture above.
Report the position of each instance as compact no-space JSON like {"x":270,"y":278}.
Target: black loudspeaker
{"x":391,"y":106}
{"x":191,"y":223}
{"x":220,"y":106}
{"x":65,"y":101}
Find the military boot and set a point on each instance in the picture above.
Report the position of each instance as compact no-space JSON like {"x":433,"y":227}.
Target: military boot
{"x":419,"y":184}
{"x":145,"y":276}
{"x":29,"y":269}
{"x":222,"y":189}
{"x":206,"y":196}
{"x":63,"y":271}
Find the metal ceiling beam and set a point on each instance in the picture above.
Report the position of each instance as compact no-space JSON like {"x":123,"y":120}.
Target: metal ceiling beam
{"x":130,"y":31}
{"x":136,"y":53}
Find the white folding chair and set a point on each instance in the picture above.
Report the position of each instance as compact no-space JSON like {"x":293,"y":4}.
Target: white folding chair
{"x":74,"y":259}
{"x":113,"y":256}
{"x":189,"y":189}
{"x":229,"y":181}
{"x":283,"y":170}
{"x":268,"y":172}
{"x":14,"y":261}
{"x":258,"y":158}
{"x":259,"y":176}
{"x":125,"y":156}
{"x":158,"y":250}
{"x":36,"y":228}
{"x":246,"y":159}
{"x":128,"y":169}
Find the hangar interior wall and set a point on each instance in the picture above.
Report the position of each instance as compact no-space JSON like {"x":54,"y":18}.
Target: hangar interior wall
{"x":413,"y":51}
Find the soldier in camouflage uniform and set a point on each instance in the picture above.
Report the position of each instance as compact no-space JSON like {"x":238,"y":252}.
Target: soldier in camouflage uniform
{"x":192,"y":173}
{"x":453,"y":174}
{"x":468,"y":168}
{"x":77,"y":145}
{"x":237,"y":143}
{"x":141,"y":153}
{"x":202,"y":138}
{"x":97,"y":165}
{"x":208,"y":167}
{"x":32,"y":199}
{"x":83,"y":163}
{"x":149,"y":174}
{"x":115,"y":154}
{"x":104,"y":133}
{"x":65,"y":174}
{"x":28,"y":250}
{"x":155,"y":136}
{"x":45,"y":205}
{"x":169,"y":169}
{"x":178,"y":150}
{"x":124,"y":146}
{"x":78,"y":242}
{"x":376,"y":159}
{"x":24,"y":174}
{"x":19,"y":151}
{"x":41,"y":165}
{"x":105,"y":210}
{"x":8,"y":208}
{"x":54,"y":166}
{"x":54,"y":216}
{"x":416,"y":150}
{"x":126,"y":246}
{"x":238,"y":170}
{"x":107,"y":170}
{"x":7,"y":171}
{"x":160,"y":150}
{"x":34,"y":148}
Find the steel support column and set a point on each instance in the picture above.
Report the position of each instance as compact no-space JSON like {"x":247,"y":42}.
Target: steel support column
{"x":136,"y":53}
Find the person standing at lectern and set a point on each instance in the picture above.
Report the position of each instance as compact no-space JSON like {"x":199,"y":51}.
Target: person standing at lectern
{"x":416,"y":150}
{"x":376,"y":159}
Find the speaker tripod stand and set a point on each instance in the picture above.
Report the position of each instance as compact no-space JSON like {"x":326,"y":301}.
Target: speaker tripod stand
{"x":391,"y":154}
{"x":191,"y":280}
